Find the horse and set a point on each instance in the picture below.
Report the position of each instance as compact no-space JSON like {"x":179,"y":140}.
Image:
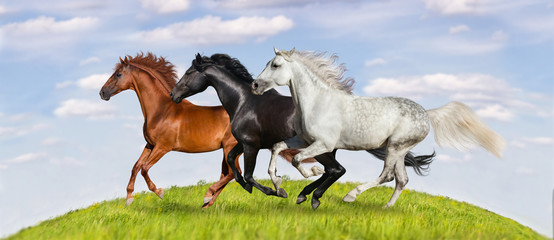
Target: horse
{"x":329,"y":116}
{"x":255,"y":126}
{"x":183,"y":127}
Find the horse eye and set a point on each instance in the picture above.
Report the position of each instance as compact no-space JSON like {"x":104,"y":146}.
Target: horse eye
{"x":275,"y":65}
{"x":118,"y":75}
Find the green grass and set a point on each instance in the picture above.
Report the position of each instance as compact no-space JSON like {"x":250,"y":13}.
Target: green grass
{"x":239,"y":215}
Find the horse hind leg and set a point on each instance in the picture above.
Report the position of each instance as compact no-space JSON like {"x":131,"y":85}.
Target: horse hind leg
{"x":401,"y":181}
{"x":226,"y":176}
{"x":386,"y":175}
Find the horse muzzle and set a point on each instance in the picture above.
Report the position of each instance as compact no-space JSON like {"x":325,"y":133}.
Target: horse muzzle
{"x":105,"y":95}
{"x":257,"y":88}
{"x":178,"y":94}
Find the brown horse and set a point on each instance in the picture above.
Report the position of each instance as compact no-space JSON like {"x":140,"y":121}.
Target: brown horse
{"x":168,"y":126}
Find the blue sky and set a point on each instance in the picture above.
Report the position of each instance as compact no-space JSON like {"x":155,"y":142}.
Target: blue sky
{"x":64,"y":148}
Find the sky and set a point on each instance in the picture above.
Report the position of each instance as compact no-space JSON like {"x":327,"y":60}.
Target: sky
{"x":64,"y":148}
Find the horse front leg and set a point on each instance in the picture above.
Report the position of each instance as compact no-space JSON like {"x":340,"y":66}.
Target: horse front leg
{"x":156,"y":154}
{"x":232,"y":161}
{"x":250,"y":155}
{"x":138,"y":165}
{"x":316,"y":148}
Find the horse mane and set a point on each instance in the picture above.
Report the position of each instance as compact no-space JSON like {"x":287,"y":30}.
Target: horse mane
{"x":233,"y":65}
{"x":165,"y":69}
{"x":326,"y":68}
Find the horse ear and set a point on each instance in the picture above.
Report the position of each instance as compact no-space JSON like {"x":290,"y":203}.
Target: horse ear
{"x":275,"y":50}
{"x":126,"y":60}
{"x":199,"y":58}
{"x":292,"y":51}
{"x":121,"y":60}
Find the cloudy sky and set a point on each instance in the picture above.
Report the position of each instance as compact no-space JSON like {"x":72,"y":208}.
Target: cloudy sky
{"x":63,"y":148}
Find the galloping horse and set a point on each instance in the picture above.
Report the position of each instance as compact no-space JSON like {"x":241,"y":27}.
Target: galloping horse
{"x":330,"y":117}
{"x":182,"y":127}
{"x":255,"y":124}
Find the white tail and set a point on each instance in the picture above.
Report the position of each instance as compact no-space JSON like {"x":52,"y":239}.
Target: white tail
{"x":457,"y":126}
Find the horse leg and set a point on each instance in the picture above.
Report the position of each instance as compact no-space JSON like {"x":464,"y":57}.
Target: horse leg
{"x":311,"y":187}
{"x":226,"y":176}
{"x":387,"y":175}
{"x":399,"y":151}
{"x":313,"y":150}
{"x":233,"y":163}
{"x":138,"y":165}
{"x":324,"y":159}
{"x":154,"y":157}
{"x":250,"y":154}
{"x":335,"y":172}
{"x":401,"y":181}
{"x":272,"y":169}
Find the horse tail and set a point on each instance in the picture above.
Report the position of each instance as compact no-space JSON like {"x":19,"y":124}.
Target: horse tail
{"x":457,"y":126}
{"x":419,"y":163}
{"x":288,"y":154}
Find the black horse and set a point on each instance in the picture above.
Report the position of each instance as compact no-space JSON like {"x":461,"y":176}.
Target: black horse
{"x":256,"y":126}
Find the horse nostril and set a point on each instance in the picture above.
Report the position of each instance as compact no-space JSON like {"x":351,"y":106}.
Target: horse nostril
{"x":255,"y":85}
{"x":171,"y":95}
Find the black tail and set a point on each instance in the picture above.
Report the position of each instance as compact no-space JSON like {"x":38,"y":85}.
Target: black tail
{"x":419,"y":163}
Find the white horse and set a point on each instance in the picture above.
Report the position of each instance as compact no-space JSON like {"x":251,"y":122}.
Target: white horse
{"x":329,"y":117}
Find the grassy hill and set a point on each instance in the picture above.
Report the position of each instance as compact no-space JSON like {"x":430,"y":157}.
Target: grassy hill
{"x":239,"y":215}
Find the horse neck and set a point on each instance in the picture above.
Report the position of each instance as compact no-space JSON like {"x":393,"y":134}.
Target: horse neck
{"x":154,"y":100}
{"x":232,"y":92}
{"x":306,"y":90}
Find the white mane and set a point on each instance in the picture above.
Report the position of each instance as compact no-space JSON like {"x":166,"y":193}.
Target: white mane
{"x":326,"y":69}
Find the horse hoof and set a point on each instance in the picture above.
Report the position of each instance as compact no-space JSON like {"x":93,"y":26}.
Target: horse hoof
{"x":248,"y":187}
{"x":317,"y":171}
{"x":282,"y":193}
{"x":160,"y":193}
{"x":348,"y":198}
{"x":206,"y":201}
{"x":130,"y":200}
{"x":315,"y":203}
{"x":301,"y":199}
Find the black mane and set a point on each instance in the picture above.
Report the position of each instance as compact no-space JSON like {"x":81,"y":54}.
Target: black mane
{"x":233,"y":65}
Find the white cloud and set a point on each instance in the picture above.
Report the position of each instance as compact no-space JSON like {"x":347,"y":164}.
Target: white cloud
{"x":449,"y":159}
{"x":234,"y":4}
{"x":524,"y":171}
{"x":64,"y":84}
{"x":495,"y":111}
{"x":453,"y":7}
{"x":374,"y":62}
{"x":44,"y":32}
{"x":211,"y":30}
{"x":540,"y":140}
{"x":27,"y":157}
{"x":499,"y":36}
{"x":460,"y":46}
{"x":51,"y":141}
{"x":85,"y":108}
{"x":21,"y":131}
{"x":490,"y":97}
{"x":166,"y":6}
{"x":3,"y":10}
{"x":526,"y":141}
{"x":48,"y":25}
{"x":458,"y":29}
{"x":89,"y":61}
{"x":93,"y":82}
